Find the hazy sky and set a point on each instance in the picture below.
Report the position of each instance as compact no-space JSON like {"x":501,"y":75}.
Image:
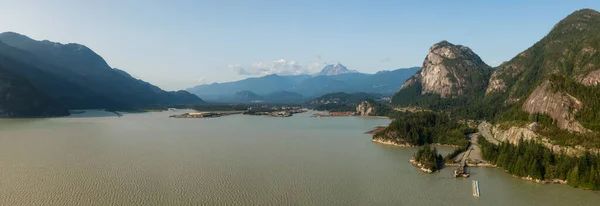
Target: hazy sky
{"x":178,"y":44}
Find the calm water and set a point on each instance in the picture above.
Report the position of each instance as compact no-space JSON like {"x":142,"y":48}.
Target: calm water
{"x":149,"y":159}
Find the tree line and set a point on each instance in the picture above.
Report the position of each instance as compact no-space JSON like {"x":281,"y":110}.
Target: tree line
{"x":422,"y":128}
{"x":531,"y":159}
{"x":429,"y":158}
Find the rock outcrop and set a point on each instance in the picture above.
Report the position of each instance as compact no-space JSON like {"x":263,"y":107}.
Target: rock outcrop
{"x":495,"y":84}
{"x":591,"y":79}
{"x":514,"y":134}
{"x":560,"y":106}
{"x":414,"y":79}
{"x":366,"y":108}
{"x":450,"y":71}
{"x":395,"y":141}
{"x":570,"y":51}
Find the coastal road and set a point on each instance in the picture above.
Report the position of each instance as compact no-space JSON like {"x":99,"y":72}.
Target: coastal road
{"x":473,"y":153}
{"x":485,"y":131}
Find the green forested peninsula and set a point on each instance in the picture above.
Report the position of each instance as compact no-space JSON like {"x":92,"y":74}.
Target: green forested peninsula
{"x":426,"y":128}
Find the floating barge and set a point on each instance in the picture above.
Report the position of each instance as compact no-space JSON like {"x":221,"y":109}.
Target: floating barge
{"x":475,"y":186}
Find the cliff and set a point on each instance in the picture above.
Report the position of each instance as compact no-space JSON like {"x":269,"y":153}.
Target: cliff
{"x":559,"y":105}
{"x":450,"y":71}
{"x":515,"y":133}
{"x":556,"y":75}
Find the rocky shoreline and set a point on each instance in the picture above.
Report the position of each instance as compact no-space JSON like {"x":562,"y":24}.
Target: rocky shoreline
{"x":390,"y":143}
{"x":528,"y":178}
{"x":420,"y":166}
{"x":486,"y":165}
{"x":553,"y":181}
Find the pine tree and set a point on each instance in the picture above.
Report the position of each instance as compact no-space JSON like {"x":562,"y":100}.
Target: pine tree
{"x":518,"y":167}
{"x":593,"y":181}
{"x":573,"y":178}
{"x":536,"y":170}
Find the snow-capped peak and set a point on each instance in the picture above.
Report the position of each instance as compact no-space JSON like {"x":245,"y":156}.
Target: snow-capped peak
{"x":337,"y":69}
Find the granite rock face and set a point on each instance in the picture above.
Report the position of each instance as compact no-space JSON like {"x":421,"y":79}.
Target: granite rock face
{"x":450,"y":71}
{"x":591,"y":79}
{"x":365,"y":108}
{"x":514,"y":134}
{"x":569,"y":51}
{"x":560,"y":106}
{"x":414,"y":79}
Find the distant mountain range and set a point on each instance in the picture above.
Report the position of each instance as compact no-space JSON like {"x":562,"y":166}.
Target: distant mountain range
{"x":345,"y":98}
{"x":274,"y":97}
{"x":76,"y":77}
{"x":332,"y":78}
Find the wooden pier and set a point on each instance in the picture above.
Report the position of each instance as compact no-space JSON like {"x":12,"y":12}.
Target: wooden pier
{"x":475,"y":188}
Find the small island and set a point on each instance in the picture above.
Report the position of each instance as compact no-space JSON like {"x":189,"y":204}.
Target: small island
{"x":428,"y":160}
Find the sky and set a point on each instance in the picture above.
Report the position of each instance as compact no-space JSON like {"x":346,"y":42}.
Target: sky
{"x":178,"y":44}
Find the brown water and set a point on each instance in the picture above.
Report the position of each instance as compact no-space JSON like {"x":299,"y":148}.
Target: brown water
{"x":149,"y":159}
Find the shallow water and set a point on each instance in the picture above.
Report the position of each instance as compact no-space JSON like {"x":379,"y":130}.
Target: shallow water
{"x":149,"y":159}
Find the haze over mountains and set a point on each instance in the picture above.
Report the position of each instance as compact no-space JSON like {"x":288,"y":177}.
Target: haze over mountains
{"x":332,"y":78}
{"x":45,"y":78}
{"x":72,"y":76}
{"x":76,"y":77}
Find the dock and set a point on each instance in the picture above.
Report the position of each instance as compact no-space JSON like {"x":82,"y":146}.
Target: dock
{"x":462,"y":170}
{"x":475,"y":188}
